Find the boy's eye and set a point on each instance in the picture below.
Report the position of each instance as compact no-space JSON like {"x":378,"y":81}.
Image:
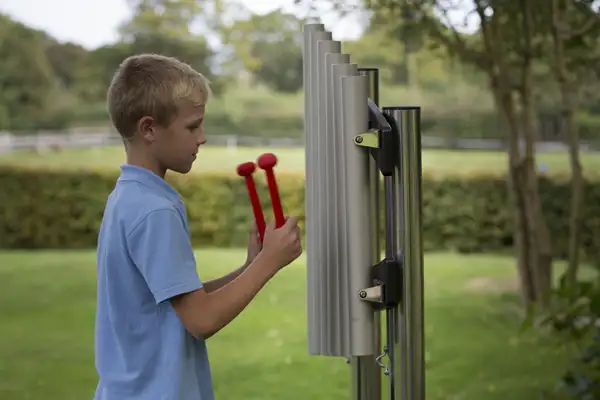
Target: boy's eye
{"x":195,"y":125}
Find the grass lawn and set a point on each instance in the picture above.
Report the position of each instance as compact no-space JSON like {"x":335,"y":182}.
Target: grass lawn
{"x":290,"y":159}
{"x":474,"y":349}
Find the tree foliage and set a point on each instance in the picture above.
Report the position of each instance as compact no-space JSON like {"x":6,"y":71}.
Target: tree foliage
{"x":261,"y":55}
{"x":44,"y":82}
{"x":269,"y":47}
{"x":26,"y":76}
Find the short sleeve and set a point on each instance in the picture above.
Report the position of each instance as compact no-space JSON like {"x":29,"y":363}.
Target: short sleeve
{"x":160,"y":248}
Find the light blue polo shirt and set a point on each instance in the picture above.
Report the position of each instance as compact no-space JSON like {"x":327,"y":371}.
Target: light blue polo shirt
{"x":143,"y":351}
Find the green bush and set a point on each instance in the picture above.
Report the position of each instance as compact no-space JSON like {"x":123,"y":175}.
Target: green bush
{"x":63,"y":209}
{"x":589,"y":127}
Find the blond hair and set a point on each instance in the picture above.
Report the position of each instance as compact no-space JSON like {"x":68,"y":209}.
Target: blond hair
{"x":152,"y":85}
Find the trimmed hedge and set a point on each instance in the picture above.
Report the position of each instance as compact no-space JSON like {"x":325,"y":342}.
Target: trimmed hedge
{"x":63,"y":209}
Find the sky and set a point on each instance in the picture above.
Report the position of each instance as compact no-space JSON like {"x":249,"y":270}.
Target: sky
{"x":93,"y":23}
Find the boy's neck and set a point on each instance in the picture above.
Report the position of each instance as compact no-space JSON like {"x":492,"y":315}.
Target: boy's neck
{"x":143,"y":161}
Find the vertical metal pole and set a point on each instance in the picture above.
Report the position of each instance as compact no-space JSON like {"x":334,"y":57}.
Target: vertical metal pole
{"x":323,"y":166}
{"x":354,"y":108}
{"x":339,"y":70}
{"x":373,"y":75}
{"x":308,"y":78}
{"x":374,"y":190}
{"x":334,"y":167}
{"x":392,"y":249}
{"x":409,"y":328}
{"x":363,"y":383}
{"x":355,"y":121}
{"x":313,"y":33}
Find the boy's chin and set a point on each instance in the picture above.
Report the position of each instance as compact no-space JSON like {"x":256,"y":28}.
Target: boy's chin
{"x":182,"y":169}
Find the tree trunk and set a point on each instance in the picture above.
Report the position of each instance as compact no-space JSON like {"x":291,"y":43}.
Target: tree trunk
{"x":516,"y":183}
{"x":541,"y":248}
{"x":570,"y":134}
{"x":540,"y":256}
{"x":577,"y":191}
{"x":524,"y":236}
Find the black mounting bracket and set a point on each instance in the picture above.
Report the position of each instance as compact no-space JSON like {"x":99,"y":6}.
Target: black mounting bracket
{"x":382,"y":139}
{"x":387,"y":278}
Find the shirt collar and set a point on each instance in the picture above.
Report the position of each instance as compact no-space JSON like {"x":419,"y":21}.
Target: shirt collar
{"x":149,"y":179}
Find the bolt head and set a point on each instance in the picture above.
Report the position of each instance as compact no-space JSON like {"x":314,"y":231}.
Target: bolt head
{"x":362,"y":294}
{"x":358,"y":139}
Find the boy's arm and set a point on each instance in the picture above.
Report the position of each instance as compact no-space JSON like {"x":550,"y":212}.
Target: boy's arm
{"x":161,"y":249}
{"x":205,"y":313}
{"x":254,"y":247}
{"x":215,"y":284}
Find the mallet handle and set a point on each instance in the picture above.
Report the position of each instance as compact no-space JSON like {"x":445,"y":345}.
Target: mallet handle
{"x":275,"y":199}
{"x":256,"y":208}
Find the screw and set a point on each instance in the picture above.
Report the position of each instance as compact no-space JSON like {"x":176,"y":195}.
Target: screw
{"x":362,"y":294}
{"x":358,"y":139}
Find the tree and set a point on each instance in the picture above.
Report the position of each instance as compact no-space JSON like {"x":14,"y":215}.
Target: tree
{"x":27,"y":81}
{"x":64,"y":59}
{"x":157,"y":26}
{"x":575,"y":52}
{"x":167,"y":27}
{"x":172,"y":18}
{"x":269,"y":48}
{"x":95,"y":72}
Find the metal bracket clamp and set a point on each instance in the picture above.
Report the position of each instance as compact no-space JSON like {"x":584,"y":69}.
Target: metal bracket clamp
{"x":367,"y":139}
{"x":387,"y":279}
{"x":380,"y":140}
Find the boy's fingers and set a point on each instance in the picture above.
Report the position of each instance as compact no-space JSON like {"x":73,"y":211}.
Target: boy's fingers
{"x":253,"y":227}
{"x":292,"y":222}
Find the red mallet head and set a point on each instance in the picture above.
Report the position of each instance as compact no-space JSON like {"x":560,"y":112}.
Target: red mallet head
{"x":267,"y":161}
{"x":246,"y":169}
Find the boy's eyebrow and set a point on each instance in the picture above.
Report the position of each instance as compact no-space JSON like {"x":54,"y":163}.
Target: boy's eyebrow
{"x":196,"y":121}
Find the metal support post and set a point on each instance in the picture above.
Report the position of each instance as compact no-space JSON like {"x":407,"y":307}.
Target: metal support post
{"x":398,"y":278}
{"x":409,"y":331}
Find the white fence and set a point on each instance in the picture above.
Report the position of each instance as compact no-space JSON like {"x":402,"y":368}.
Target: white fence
{"x":44,"y":141}
{"x":41,"y":142}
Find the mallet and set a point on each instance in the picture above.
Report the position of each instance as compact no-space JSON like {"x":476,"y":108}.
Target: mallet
{"x":266,"y":162}
{"x":246,"y":170}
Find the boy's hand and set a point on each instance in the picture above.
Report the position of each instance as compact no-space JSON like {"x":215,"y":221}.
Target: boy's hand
{"x":282,"y":245}
{"x":254,"y":244}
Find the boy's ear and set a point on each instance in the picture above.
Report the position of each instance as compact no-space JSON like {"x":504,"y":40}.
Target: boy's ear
{"x":146,"y":128}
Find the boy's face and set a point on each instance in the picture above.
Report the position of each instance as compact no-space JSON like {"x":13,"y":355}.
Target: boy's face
{"x":176,"y":145}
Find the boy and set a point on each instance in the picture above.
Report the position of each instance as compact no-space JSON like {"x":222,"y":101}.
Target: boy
{"x":153,"y":311}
